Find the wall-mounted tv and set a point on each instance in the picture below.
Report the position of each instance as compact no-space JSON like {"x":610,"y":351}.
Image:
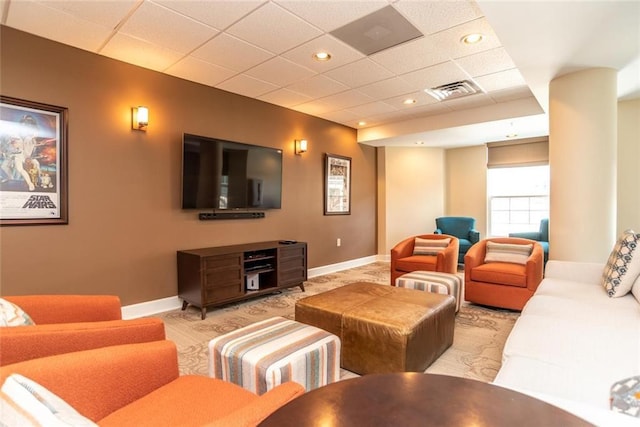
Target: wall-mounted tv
{"x":219,"y":174}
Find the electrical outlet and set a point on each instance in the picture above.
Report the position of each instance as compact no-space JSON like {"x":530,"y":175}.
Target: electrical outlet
{"x":338,"y":242}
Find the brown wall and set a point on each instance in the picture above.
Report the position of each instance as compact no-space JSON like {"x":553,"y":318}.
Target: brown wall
{"x":125,"y":220}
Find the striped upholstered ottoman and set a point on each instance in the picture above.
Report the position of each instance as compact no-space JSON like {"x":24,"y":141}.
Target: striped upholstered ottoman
{"x":433,"y":281}
{"x":265,"y":354}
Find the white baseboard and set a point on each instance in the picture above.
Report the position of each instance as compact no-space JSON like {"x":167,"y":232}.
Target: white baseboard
{"x":150,"y":308}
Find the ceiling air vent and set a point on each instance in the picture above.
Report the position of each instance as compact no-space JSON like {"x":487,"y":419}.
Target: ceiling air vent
{"x":454,"y":90}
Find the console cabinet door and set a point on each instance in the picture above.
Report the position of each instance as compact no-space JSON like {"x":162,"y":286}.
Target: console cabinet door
{"x":292,"y":264}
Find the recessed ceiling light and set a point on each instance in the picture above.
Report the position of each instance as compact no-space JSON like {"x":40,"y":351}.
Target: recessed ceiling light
{"x":362,"y":123}
{"x":322,"y":56}
{"x":409,"y":101}
{"x":472,"y":38}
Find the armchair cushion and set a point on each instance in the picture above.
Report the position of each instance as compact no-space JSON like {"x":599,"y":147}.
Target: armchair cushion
{"x":12,"y":315}
{"x":623,"y":265}
{"x":507,"y":252}
{"x":429,"y":246}
{"x":502,"y":273}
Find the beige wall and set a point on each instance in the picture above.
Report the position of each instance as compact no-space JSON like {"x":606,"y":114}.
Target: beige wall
{"x":628,"y":166}
{"x":411,"y":192}
{"x":125,"y":220}
{"x":466,"y":184}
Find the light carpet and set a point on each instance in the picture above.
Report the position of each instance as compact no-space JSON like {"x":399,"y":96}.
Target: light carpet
{"x":479,"y":335}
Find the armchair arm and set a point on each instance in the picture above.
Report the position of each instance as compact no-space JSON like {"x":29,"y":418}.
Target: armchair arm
{"x":535,"y":266}
{"x":474,"y":236}
{"x":447,"y":261}
{"x":251,"y":415}
{"x":474,"y":257}
{"x":23,"y":343}
{"x":46,"y":309}
{"x":99,"y":382}
{"x":531,"y":235}
{"x":403,"y":249}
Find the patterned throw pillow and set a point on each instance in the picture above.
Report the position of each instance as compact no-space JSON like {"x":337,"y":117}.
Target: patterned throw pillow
{"x":623,"y":265}
{"x":12,"y":315}
{"x":26,"y":403}
{"x":508,"y":252}
{"x":430,"y":246}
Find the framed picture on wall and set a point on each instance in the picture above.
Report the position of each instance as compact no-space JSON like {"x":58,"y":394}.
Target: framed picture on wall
{"x":337,"y":185}
{"x":33,"y":163}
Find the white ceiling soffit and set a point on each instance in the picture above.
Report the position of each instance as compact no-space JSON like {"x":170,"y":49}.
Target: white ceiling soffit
{"x":547,"y":39}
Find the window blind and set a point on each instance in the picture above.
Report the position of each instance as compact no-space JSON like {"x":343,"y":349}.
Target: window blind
{"x":523,"y":152}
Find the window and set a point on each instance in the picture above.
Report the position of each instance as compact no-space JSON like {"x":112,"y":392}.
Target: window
{"x":518,"y":198}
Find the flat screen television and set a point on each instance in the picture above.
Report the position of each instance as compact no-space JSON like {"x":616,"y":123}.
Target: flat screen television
{"x":219,"y":174}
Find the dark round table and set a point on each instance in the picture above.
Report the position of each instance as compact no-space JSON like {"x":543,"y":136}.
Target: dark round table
{"x":416,"y":399}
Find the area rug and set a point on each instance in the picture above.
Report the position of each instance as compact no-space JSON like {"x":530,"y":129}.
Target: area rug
{"x":479,"y":335}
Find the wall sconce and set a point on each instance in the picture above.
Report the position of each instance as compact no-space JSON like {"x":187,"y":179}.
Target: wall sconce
{"x":139,"y":118}
{"x":300,"y":146}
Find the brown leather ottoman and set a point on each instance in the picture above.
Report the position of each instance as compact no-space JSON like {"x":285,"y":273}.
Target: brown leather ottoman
{"x":383,"y":328}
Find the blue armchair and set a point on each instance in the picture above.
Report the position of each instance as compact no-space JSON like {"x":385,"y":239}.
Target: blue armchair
{"x":463,"y":228}
{"x":541,"y":236}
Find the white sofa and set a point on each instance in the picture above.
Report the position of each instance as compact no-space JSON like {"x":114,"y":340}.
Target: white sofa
{"x":572,"y":342}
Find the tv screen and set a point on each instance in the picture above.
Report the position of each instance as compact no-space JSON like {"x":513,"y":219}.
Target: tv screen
{"x":219,"y":174}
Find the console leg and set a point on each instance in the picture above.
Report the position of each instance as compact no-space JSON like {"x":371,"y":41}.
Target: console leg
{"x":203,"y":311}
{"x":301,"y":286}
{"x":184,"y":305}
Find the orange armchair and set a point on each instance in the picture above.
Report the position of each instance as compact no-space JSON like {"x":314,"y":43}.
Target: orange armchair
{"x":502,"y":284}
{"x":139,"y":384}
{"x":67,"y":323}
{"x":404,"y":261}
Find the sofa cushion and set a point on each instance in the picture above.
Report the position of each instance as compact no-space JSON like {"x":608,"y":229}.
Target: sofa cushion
{"x":623,"y":265}
{"x":430,"y":246}
{"x":507,"y":252}
{"x":502,"y":273}
{"x":26,"y":403}
{"x":12,"y":315}
{"x":417,"y":262}
{"x":635,"y":289}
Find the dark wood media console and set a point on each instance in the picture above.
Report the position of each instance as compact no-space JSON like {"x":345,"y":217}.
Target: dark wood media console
{"x":220,"y":275}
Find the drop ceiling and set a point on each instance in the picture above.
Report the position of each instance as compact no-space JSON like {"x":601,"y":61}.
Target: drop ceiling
{"x":263,"y":50}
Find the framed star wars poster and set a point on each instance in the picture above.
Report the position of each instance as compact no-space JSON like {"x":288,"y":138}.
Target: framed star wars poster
{"x":33,"y":163}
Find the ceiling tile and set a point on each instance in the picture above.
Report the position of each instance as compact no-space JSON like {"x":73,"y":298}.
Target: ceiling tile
{"x":341,"y":54}
{"x":285,"y":98}
{"x":487,"y":62}
{"x":371,"y":109}
{"x":314,"y":108}
{"x":217,"y":13}
{"x":421,"y":98}
{"x":247,"y":86}
{"x":500,"y":80}
{"x":347,"y":99}
{"x":164,"y":27}
{"x":444,"y":73}
{"x":386,"y":88}
{"x":450,"y":40}
{"x":196,"y":70}
{"x":331,"y":14}
{"x":318,"y":86}
{"x":280,"y":72}
{"x":104,"y":13}
{"x":140,"y":52}
{"x":411,"y":56}
{"x":341,"y":116}
{"x":232,"y":53}
{"x":433,"y":16}
{"x":38,"y":19}
{"x":359,"y":73}
{"x":258,"y":28}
